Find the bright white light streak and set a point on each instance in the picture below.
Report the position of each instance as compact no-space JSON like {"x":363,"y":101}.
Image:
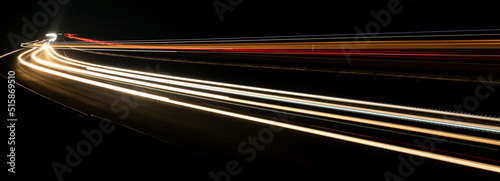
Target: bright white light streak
{"x":118,"y":50}
{"x":459,"y":161}
{"x":87,"y":81}
{"x":127,"y":80}
{"x":465,"y":125}
{"x":288,"y":92}
{"x":303,"y":111}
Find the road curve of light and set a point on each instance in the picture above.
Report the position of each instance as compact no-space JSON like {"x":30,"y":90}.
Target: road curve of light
{"x":445,"y":158}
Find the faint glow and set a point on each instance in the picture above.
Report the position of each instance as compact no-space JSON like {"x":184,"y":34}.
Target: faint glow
{"x":7,"y":54}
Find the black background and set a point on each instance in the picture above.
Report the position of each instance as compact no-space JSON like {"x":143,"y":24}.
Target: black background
{"x":110,"y":20}
{"x":120,"y":20}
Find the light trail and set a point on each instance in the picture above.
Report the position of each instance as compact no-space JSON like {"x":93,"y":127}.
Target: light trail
{"x":333,"y":45}
{"x":449,"y":159}
{"x":381,"y":35}
{"x":303,"y":111}
{"x":409,"y":49}
{"x":287,"y":92}
{"x":7,"y":54}
{"x":465,"y":125}
{"x":121,"y":50}
{"x":247,"y":102}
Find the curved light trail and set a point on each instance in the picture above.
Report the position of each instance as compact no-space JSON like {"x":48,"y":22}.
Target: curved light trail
{"x":138,"y":78}
{"x":416,"y":118}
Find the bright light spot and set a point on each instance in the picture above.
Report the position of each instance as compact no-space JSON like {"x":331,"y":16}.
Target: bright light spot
{"x":51,"y":37}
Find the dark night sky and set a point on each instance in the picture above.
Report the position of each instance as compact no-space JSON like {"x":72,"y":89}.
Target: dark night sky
{"x":112,"y":19}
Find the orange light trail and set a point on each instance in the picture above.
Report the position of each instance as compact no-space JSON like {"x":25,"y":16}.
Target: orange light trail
{"x":440,"y":157}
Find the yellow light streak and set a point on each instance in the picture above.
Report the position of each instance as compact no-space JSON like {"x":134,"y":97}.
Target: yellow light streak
{"x":305,"y":95}
{"x":290,"y":109}
{"x":430,"y":155}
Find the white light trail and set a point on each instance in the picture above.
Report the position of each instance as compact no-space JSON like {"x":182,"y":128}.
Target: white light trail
{"x":303,"y":111}
{"x":288,"y":92}
{"x":121,"y":72}
{"x":430,"y":155}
